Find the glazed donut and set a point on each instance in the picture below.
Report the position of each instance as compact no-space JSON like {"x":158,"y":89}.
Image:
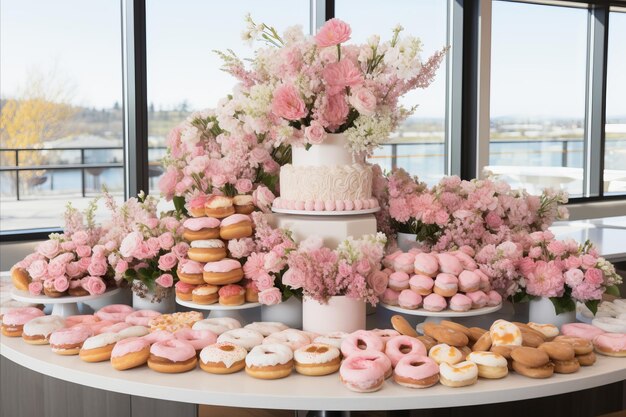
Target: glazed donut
{"x":400,"y":346}
{"x":243,"y":204}
{"x":245,"y":338}
{"x":587,"y":359}
{"x":484,"y":343}
{"x":158,"y":336}
{"x":210,"y":250}
{"x":236,"y":226}
{"x":532,"y":338}
{"x":223,"y":358}
{"x":172,"y":356}
{"x":558,"y":351}
{"x":219,"y":206}
{"x":400,"y":324}
{"x":503,"y":332}
{"x":130,"y":353}
{"x":434,"y":302}
{"x":540,"y":372}
{"x":232,"y":295}
{"x":68,"y":341}
{"x":141,"y":317}
{"x":201,"y":228}
{"x":20,"y":278}
{"x":38,"y":330}
{"x":479,"y":299}
{"x":205,"y":294}
{"x":445,"y":353}
{"x":582,"y":330}
{"x":449,"y":264}
{"x":269,"y":361}
{"x":566,"y":367}
{"x":445,"y":335}
{"x":490,"y":365}
{"x":334,"y":339}
{"x":409,"y":299}
{"x":416,"y":371}
{"x":458,"y":375}
{"x":133,"y":331}
{"x":581,"y":346}
{"x":199,"y":339}
{"x":611,"y":344}
{"x":190,"y":272}
{"x":266,"y":328}
{"x":456,"y":326}
{"x":292,"y":338}
{"x":175,"y":321}
{"x":217,"y":325}
{"x":398,"y":281}
{"x":226,"y":271}
{"x":13,"y":321}
{"x":114,"y":312}
{"x":446,"y":285}
{"x":385,"y":334}
{"x":404,"y":263}
{"x":426,"y":264}
{"x":360,"y":374}
{"x":550,"y":331}
{"x":360,"y":341}
{"x":421,"y":284}
{"x":460,"y":302}
{"x":610,"y":324}
{"x":98,"y":348}
{"x":184,"y":290}
{"x":317,"y":359}
{"x":390,"y":297}
{"x":469,"y":281}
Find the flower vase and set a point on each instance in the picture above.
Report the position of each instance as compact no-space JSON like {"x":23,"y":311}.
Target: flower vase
{"x":340,"y":314}
{"x":288,"y":312}
{"x":407,"y":241}
{"x":166,"y":305}
{"x":541,"y":310}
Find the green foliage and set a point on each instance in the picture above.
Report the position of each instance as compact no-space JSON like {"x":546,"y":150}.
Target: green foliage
{"x":179,"y":204}
{"x":563,"y":304}
{"x":592,"y":305}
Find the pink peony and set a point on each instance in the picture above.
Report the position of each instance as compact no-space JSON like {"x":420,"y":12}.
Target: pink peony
{"x":334,"y":32}
{"x":253,"y":267}
{"x":263,"y":198}
{"x":586,"y":292}
{"x":61,"y":284}
{"x":573,"y":262}
{"x":287,"y":103}
{"x":588,"y":261}
{"x":49,"y":248}
{"x":546,"y":280}
{"x":315,"y":133}
{"x":167,"y":262}
{"x":240,"y":248}
{"x":272,"y":262}
{"x":166,"y":241}
{"x":35,"y":288}
{"x":342,"y":74}
{"x":165,"y":280}
{"x":264,"y":281}
{"x":110,"y":246}
{"x":97,"y":266}
{"x":557,"y":248}
{"x":130,"y":244}
{"x":83,"y":251}
{"x":593,"y":276}
{"x":573,"y":277}
{"x":270,"y":296}
{"x":94,"y":285}
{"x":377,"y":281}
{"x":74,"y":270}
{"x":167,"y":182}
{"x":294,"y":278}
{"x":363,"y":101}
{"x":243,"y":186}
{"x":38,"y":269}
{"x":336,"y":110}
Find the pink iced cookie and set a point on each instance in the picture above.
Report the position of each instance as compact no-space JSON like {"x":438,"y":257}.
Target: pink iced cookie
{"x":398,"y":281}
{"x":434,"y":302}
{"x":460,"y":302}
{"x":409,"y":299}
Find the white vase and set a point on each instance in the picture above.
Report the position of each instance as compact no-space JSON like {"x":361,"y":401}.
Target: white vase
{"x":166,"y":305}
{"x":288,"y":312}
{"x":541,"y":310}
{"x":407,"y":241}
{"x":340,"y":314}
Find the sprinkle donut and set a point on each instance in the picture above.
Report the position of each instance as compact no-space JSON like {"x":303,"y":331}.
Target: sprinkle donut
{"x":400,"y":346}
{"x":223,"y":358}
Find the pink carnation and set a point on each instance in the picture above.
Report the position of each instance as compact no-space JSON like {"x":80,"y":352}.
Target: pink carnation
{"x":270,"y":296}
{"x":342,"y":74}
{"x":287,"y":103}
{"x":334,"y":32}
{"x":336,"y":110}
{"x":253,"y":267}
{"x":166,"y":241}
{"x":83,"y":251}
{"x":546,"y":280}
{"x":165,"y":280}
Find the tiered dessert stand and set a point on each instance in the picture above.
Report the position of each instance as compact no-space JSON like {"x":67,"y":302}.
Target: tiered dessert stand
{"x":61,"y":306}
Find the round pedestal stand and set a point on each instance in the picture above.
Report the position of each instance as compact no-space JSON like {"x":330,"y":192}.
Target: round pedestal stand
{"x":438,"y":316}
{"x":61,"y":306}
{"x":218,"y":310}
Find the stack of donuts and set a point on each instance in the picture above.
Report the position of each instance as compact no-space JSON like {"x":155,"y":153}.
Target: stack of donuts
{"x":209,"y":275}
{"x":437,"y":281}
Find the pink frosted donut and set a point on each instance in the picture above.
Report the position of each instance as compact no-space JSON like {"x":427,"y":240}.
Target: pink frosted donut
{"x":129,"y":345}
{"x":611,"y":344}
{"x":479,"y":299}
{"x":434,"y":302}
{"x":416,"y":371}
{"x":583,"y":330}
{"x":426,"y":264}
{"x":467,"y":261}
{"x":81,"y":319}
{"x":495,"y":298}
{"x":173,"y":350}
{"x":400,"y":346}
{"x":409,"y":299}
{"x":485,"y":282}
{"x":469,"y":281}
{"x":460,"y":302}
{"x":159,"y":336}
{"x":391,"y":258}
{"x":390,"y":297}
{"x":404,"y":263}
{"x":225,"y":265}
{"x":360,"y":341}
{"x":142,"y":317}
{"x":449,"y":264}
{"x":19,"y":316}
{"x":421,"y":284}
{"x":360,"y":374}
{"x":385,"y":334}
{"x":378,"y":357}
{"x":199,"y":339}
{"x":293,"y":338}
{"x":398,"y":281}
{"x":198,"y":223}
{"x":69,"y":339}
{"x":98,"y":326}
{"x":446,"y":285}
{"x":234,"y":219}
{"x":114,"y":328}
{"x":114,"y":312}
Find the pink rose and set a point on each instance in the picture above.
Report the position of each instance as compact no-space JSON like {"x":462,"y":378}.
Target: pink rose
{"x":243,"y":186}
{"x":38,"y":270}
{"x":170,"y":223}
{"x":264,"y":281}
{"x":68,"y":246}
{"x":49,"y":248}
{"x":61,"y":284}
{"x":80,"y":238}
{"x":377,"y":281}
{"x":56,"y":269}
{"x":83,"y":251}
{"x":35,"y":288}
{"x":588,"y":261}
{"x":334,"y":32}
{"x":152,"y":222}
{"x":263,"y":198}
{"x":74,"y":270}
{"x":153,"y":245}
{"x":363,"y":101}
{"x":270,"y":296}
{"x":342,"y":74}
{"x":493,"y":220}
{"x":97,"y":266}
{"x":573,"y":277}
{"x":84,"y":263}
{"x":294,"y":278}
{"x":121,"y":267}
{"x":130,"y":244}
{"x":287,"y":103}
{"x":273,"y":262}
{"x":594,"y":276}
{"x":166,"y":241}
{"x":573,"y":262}
{"x":167,"y":262}
{"x":165,"y":280}
{"x":557,"y":247}
{"x":180,"y":250}
{"x":336,"y":110}
{"x":258,"y":156}
{"x":110,"y":246}
{"x":167,"y":182}
{"x":315,"y":133}
{"x":99,"y":250}
{"x":94,"y":285}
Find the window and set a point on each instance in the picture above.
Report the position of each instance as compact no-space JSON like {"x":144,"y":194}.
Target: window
{"x":538,"y":72}
{"x":61,"y":94}
{"x":183,"y":71}
{"x":615,"y":128}
{"x":419,"y":145}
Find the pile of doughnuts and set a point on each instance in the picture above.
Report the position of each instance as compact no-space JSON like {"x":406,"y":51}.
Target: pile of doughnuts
{"x":437,"y":281}
{"x":208,"y":275}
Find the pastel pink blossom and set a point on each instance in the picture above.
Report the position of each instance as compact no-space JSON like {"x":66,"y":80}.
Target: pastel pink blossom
{"x":287,"y":103}
{"x":342,"y":74}
{"x":378,"y":281}
{"x":253,"y":267}
{"x":121,"y":267}
{"x":264,"y":281}
{"x":68,"y":246}
{"x":130,"y":244}
{"x":35,"y":288}
{"x":263,"y":198}
{"x":83,"y":251}
{"x":180,"y":249}
{"x":167,"y":182}
{"x":97,"y":266}
{"x":166,"y":241}
{"x":336,"y":110}
{"x":271,"y":296}
{"x":167,"y":262}
{"x":240,"y":248}
{"x":94,"y":285}
{"x":74,"y":270}
{"x":363,"y":101}
{"x":243,"y":185}
{"x":56,"y":269}
{"x":61,"y":284}
{"x":49,"y":248}
{"x":588,"y":261}
{"x":593,"y":276}
{"x":545,"y":281}
{"x":557,"y":247}
{"x":334,"y":32}
{"x":572,"y":262}
{"x":574,"y":277}
{"x":293,"y":278}
{"x":80,"y":237}
{"x":272,"y":262}
{"x":315,"y":133}
{"x":165,"y":280}
{"x":587,"y":291}
{"x":38,"y":269}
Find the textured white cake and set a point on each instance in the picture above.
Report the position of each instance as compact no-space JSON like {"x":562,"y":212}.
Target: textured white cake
{"x":326,"y":178}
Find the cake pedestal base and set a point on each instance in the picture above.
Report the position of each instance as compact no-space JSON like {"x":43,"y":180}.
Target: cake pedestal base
{"x":61,"y":306}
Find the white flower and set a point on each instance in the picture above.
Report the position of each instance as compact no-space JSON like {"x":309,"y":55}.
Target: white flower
{"x":293,"y":34}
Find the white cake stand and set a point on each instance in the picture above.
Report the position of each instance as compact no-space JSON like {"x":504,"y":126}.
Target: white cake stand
{"x":217,"y":310}
{"x":326,"y":213}
{"x":438,"y":316}
{"x":61,"y":306}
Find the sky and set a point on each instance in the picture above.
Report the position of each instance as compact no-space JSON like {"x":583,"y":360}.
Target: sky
{"x":538,"y":67}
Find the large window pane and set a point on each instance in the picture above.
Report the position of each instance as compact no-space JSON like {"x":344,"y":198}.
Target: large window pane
{"x":61,"y":90}
{"x":615,"y":145}
{"x":538,"y":61}
{"x":183,"y":71}
{"x":419,"y":143}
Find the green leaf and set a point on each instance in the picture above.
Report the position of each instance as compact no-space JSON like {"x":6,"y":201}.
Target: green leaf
{"x":612,"y":290}
{"x":521,"y":297}
{"x":563,"y":304}
{"x":592,"y":305}
{"x":179,"y":204}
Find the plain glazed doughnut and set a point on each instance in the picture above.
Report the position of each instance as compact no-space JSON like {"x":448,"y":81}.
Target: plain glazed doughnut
{"x":550,"y":331}
{"x":332,"y":339}
{"x":566,"y":367}
{"x":269,"y":361}
{"x":581,"y":346}
{"x":611,"y":344}
{"x":416,"y":371}
{"x":360,"y":341}
{"x":587,"y":359}
{"x":217,"y":325}
{"x":98,"y":348}
{"x":582,"y":330}
{"x":456,"y":326}
{"x":559,"y":351}
{"x":317,"y":359}
{"x":38,"y":330}
{"x":446,"y":335}
{"x":490,"y":365}
{"x":130,"y":353}
{"x":360,"y":374}
{"x":172,"y":356}
{"x":199,"y":339}
{"x":444,"y":353}
{"x":459,"y":375}
{"x":475,"y":333}
{"x":530,"y":357}
{"x":539,"y":372}
{"x":245,"y":338}
{"x":223,"y":358}
{"x":266,"y":328}
{"x":400,"y":346}
{"x":141,"y":317}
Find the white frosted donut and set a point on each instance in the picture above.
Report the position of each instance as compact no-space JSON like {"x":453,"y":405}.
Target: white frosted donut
{"x":133,"y":331}
{"x":487,"y":359}
{"x":217,"y":325}
{"x":42,"y":327}
{"x":266,"y":328}
{"x":443,"y":353}
{"x":316,"y":353}
{"x":245,"y":338}
{"x":100,"y":340}
{"x":610,"y":324}
{"x":622,"y":316}
{"x":269,"y":355}
{"x":503,"y":332}
{"x":293,"y":338}
{"x":332,"y":339}
{"x":548,"y":330}
{"x":458,"y":375}
{"x":620,"y":302}
{"x":216,"y":354}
